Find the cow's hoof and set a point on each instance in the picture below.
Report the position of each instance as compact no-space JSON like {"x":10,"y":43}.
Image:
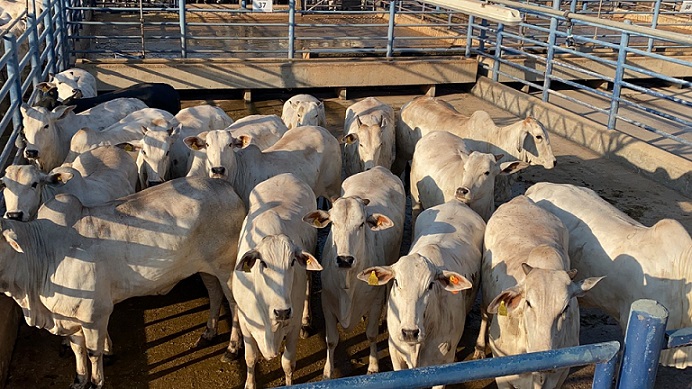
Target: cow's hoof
{"x":373,"y":371}
{"x":478,"y":354}
{"x":109,"y":359}
{"x":229,"y":357}
{"x":305,"y":331}
{"x":80,"y":382}
{"x":202,"y":342}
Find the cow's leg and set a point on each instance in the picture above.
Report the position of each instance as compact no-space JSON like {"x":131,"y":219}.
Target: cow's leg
{"x":251,"y":353}
{"x":332,"y":339}
{"x":371,"y":332}
{"x":108,"y":355}
{"x":215,"y":299}
{"x":95,"y":339}
{"x":479,"y":352}
{"x":232,"y":351}
{"x":398,"y":362}
{"x":288,"y":359}
{"x":81,"y":380}
{"x":306,"y":318}
{"x":416,"y":205}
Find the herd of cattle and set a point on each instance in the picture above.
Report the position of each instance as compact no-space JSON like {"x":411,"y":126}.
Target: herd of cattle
{"x":132,"y":194}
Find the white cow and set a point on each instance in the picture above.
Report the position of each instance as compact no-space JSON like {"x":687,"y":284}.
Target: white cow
{"x":95,"y":177}
{"x":442,"y":165}
{"x":425,"y":312}
{"x":193,"y":121}
{"x":303,"y":110}
{"x":70,"y":80}
{"x":369,"y":136}
{"x":640,"y":262}
{"x":367,"y":228}
{"x":67,"y":278}
{"x":261,"y":130}
{"x":130,"y":129}
{"x":528,"y":288}
{"x":270,"y":275}
{"x":311,"y":153}
{"x":48,"y":133}
{"x":153,"y":155}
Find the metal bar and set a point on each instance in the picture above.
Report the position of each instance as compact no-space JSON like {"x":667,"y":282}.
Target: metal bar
{"x":617,"y":80}
{"x":34,"y":48}
{"x":291,"y":28}
{"x":183,"y":28}
{"x":654,"y":23}
{"x":62,"y":34}
{"x":643,"y":342}
{"x":476,"y":370}
{"x":551,"y":53}
{"x":604,"y":373}
{"x":469,"y":37}
{"x":13,"y":77}
{"x":50,"y":37}
{"x":390,"y":30}
{"x":498,"y":51}
{"x":679,"y":338}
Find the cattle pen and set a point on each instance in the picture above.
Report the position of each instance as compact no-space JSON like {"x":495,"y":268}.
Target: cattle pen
{"x":609,"y":80}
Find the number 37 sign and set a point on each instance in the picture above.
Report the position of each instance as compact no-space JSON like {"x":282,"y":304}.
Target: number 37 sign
{"x":262,"y":6}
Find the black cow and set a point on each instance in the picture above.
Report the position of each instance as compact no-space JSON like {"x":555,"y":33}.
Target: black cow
{"x":154,"y":95}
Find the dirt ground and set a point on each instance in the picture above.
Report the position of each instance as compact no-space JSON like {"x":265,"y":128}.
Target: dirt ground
{"x":153,"y":335}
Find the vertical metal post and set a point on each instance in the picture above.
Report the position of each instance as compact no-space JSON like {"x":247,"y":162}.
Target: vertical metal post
{"x":643,"y":342}
{"x":14,"y":77}
{"x":549,"y":58}
{"x":469,"y":37}
{"x":291,"y":28}
{"x":604,"y":373}
{"x":62,"y":34}
{"x":390,"y":30}
{"x":483,"y":35}
{"x":183,"y":28}
{"x":617,"y":80}
{"x":654,"y":24}
{"x":34,"y":48}
{"x":50,"y":37}
{"x":498,"y":52}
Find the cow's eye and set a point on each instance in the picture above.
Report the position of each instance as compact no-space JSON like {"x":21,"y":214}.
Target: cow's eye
{"x":293,"y":262}
{"x":34,"y":185}
{"x":487,"y":173}
{"x":565,"y":310}
{"x":46,"y":126}
{"x":167,"y":152}
{"x":539,"y":137}
{"x":431,"y":285}
{"x":528,"y":304}
{"x":206,"y":145}
{"x":144,"y":152}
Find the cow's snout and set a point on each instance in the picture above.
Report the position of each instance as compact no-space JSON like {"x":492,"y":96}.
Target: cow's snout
{"x":282,"y":314}
{"x":31,"y":154}
{"x":153,"y":183}
{"x":410,"y":335}
{"x":345,"y":261}
{"x":18,"y":215}
{"x":218,"y":170}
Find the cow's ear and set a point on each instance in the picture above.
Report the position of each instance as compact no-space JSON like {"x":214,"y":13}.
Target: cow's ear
{"x":11,"y":238}
{"x":61,"y":111}
{"x":248,"y":260}
{"x":379,"y":222}
{"x":572,"y":273}
{"x":243,"y":141}
{"x":498,"y":157}
{"x":578,"y":289}
{"x":507,"y":301}
{"x":383,"y":122}
{"x":378,"y":275}
{"x":520,"y":141}
{"x":512,"y":167}
{"x":317,"y":219}
{"x":129,"y":147}
{"x":58,"y":178}
{"x":453,"y":282}
{"x":365,"y":201}
{"x":348,"y":139}
{"x":358,"y":121}
{"x":195,"y":143}
{"x":43,"y":86}
{"x":24,"y":108}
{"x":526,"y":268}
{"x":236,"y":143}
{"x":310,"y":262}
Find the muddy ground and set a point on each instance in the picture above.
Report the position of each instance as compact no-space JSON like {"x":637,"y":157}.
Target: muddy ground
{"x":153,"y":335}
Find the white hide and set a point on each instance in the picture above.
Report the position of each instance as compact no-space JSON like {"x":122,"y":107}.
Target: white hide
{"x":443,"y":169}
{"x":193,"y":121}
{"x":433,"y":287}
{"x":127,"y":129}
{"x":260,"y":130}
{"x":70,"y":80}
{"x":528,"y":289}
{"x":311,"y":153}
{"x":367,"y":227}
{"x":640,"y":262}
{"x":153,"y":155}
{"x":369,"y":136}
{"x":67,"y":277}
{"x":48,"y":133}
{"x":95,"y":177}
{"x":303,"y":110}
{"x":270,"y":275}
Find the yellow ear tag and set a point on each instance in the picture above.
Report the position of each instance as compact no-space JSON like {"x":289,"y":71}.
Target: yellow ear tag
{"x":59,"y":178}
{"x":317,"y":223}
{"x":502,"y":310}
{"x":129,"y":147}
{"x":372,"y":280}
{"x":308,"y":261}
{"x":246,"y":267}
{"x":454,"y":280}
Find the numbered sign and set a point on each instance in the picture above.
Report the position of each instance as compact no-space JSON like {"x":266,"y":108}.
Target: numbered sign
{"x":686,"y":7}
{"x":262,"y":6}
